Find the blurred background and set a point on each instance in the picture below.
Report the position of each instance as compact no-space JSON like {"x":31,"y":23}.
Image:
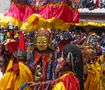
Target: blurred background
{"x":4,"y":5}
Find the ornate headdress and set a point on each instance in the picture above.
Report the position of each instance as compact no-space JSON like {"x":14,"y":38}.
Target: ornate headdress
{"x":43,"y":32}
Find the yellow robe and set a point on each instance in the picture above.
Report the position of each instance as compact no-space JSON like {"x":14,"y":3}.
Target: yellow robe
{"x":102,"y":81}
{"x":59,"y":86}
{"x":93,"y":79}
{"x":13,"y":80}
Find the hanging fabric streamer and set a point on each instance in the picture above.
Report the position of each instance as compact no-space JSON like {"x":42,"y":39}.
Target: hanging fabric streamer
{"x":91,"y":5}
{"x":96,"y":3}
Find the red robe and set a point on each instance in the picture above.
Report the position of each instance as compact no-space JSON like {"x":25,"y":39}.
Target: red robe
{"x":45,"y":61}
{"x":46,"y":58}
{"x":67,"y":82}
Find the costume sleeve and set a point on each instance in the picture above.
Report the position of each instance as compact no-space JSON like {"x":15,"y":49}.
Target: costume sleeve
{"x":9,"y":65}
{"x":59,"y":86}
{"x":71,"y":82}
{"x":67,"y":82}
{"x":93,"y":78}
{"x":8,"y":80}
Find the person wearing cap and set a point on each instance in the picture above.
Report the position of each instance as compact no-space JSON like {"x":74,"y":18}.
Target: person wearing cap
{"x":16,"y":73}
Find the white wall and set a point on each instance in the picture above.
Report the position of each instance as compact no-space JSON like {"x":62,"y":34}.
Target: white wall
{"x":4,"y":5}
{"x":98,"y":10}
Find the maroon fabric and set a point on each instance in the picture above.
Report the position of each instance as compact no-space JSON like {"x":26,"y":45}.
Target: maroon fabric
{"x":76,"y":16}
{"x":62,"y":43}
{"x":97,"y":3}
{"x":12,"y":46}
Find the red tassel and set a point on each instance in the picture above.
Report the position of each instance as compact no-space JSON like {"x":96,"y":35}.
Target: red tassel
{"x":76,"y":16}
{"x":97,"y":3}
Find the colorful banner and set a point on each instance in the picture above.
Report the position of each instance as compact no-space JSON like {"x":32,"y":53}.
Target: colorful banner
{"x":61,"y":11}
{"x":49,"y":10}
{"x":41,"y":1}
{"x":96,"y":24}
{"x":26,"y":1}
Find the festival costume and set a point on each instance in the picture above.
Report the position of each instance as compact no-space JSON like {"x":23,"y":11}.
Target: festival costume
{"x":67,"y":82}
{"x":47,"y":66}
{"x":43,"y":13}
{"x":14,"y":79}
{"x":102,"y":79}
{"x":93,"y":79}
{"x":44,"y":60}
{"x":16,"y":73}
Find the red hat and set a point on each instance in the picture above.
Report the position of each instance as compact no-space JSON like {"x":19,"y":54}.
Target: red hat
{"x":62,"y":43}
{"x":12,"y":46}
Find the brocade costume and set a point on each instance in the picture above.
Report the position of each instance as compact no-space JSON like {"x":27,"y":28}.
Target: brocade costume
{"x":48,"y":64}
